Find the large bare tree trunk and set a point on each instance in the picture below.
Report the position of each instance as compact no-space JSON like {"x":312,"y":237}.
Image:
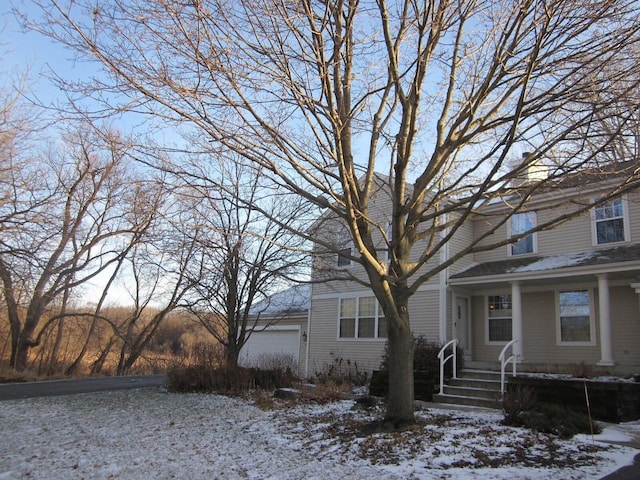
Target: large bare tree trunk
{"x":400,"y":402}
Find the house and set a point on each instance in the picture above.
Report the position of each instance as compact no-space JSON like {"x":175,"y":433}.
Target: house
{"x":569,"y":296}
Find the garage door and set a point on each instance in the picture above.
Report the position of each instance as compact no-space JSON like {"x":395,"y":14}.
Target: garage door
{"x":271,"y":344}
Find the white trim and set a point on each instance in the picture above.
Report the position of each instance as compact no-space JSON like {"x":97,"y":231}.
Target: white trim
{"x":625,"y":223}
{"x":454,"y":314}
{"x":274,"y":327}
{"x":533,"y":235}
{"x":443,"y":278}
{"x":486,"y":317}
{"x":604,"y":307}
{"x":308,"y":342}
{"x":592,"y":324}
{"x":548,"y":274}
{"x":366,"y":293}
{"x":376,"y":325}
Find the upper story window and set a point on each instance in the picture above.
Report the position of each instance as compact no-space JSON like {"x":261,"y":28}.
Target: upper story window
{"x":522,"y":223}
{"x":361,"y":318}
{"x":610,"y":222}
{"x":499,"y":315}
{"x":344,"y":253}
{"x":344,"y":257}
{"x":575,"y":323}
{"x":389,"y":237}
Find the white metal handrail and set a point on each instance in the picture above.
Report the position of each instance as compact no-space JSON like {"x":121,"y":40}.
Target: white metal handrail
{"x":504,"y":361}
{"x":444,"y":360}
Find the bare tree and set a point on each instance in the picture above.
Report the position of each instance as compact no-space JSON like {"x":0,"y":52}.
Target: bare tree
{"x":439,"y":95}
{"x":160,"y":269}
{"x":71,"y":207}
{"x":244,"y":253}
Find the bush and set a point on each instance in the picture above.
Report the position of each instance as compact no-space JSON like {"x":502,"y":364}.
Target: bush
{"x":553,"y":419}
{"x":425,"y":357}
{"x":224,"y":379}
{"x":206,"y":379}
{"x":517,"y":400}
{"x":206,"y":371}
{"x":341,"y":372}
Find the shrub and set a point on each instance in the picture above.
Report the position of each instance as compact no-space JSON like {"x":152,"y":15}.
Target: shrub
{"x":271,"y":379}
{"x":556,"y":420}
{"x":517,"y":400}
{"x":205,"y":379}
{"x":425,"y":357}
{"x":341,"y":372}
{"x":206,"y":371}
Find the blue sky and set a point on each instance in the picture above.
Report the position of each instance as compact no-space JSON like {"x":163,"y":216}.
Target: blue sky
{"x":32,"y":53}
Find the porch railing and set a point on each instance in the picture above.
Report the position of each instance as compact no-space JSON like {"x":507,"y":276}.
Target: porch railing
{"x":506,"y":360}
{"x":443,"y":360}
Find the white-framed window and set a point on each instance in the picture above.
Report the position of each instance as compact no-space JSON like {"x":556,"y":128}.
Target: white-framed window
{"x":610,"y":221}
{"x":575,"y":324}
{"x":521,"y":223}
{"x":499,"y":314}
{"x":344,"y":254}
{"x":361,"y":318}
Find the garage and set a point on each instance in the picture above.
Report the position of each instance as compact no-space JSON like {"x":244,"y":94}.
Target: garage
{"x":273,"y":344}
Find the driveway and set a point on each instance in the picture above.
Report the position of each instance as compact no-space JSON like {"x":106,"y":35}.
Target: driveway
{"x":13,"y":391}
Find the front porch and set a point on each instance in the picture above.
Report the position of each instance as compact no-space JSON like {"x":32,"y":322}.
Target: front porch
{"x":486,"y":385}
{"x":564,"y":318}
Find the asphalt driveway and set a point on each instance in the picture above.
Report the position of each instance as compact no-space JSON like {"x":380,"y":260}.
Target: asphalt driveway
{"x":13,"y":391}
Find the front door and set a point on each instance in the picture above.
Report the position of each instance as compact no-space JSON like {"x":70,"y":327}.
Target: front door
{"x":461,"y":324}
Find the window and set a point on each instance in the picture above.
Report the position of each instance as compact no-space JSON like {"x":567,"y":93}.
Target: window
{"x":499,"y":318}
{"x":361,"y":318}
{"x":344,"y":254}
{"x":574,"y":316}
{"x":609,"y":222}
{"x":389,"y":237}
{"x":348,"y":318}
{"x":522,"y":223}
{"x":343,"y":257}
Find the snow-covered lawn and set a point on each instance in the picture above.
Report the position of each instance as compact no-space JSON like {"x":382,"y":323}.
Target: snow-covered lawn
{"x":151,"y":434}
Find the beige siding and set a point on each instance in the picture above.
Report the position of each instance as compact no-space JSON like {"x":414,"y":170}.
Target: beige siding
{"x":541,"y":350}
{"x":572,"y":236}
{"x":482,"y":227}
{"x":461,"y":240}
{"x":625,"y":316}
{"x":424,"y":308}
{"x":325,"y":349}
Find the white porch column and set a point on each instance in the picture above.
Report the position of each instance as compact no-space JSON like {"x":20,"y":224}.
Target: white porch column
{"x":606,"y":340}
{"x":516,"y":319}
{"x":636,"y":287}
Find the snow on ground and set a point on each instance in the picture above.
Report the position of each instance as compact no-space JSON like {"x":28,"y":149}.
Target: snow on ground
{"x":151,"y":434}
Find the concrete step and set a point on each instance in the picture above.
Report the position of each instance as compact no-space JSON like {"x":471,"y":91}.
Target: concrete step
{"x":474,"y":387}
{"x":493,"y":385}
{"x":480,"y":374}
{"x":463,"y":400}
{"x":464,"y":391}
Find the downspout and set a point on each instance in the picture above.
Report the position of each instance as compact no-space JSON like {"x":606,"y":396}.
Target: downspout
{"x":443,"y":277}
{"x":306,"y":355}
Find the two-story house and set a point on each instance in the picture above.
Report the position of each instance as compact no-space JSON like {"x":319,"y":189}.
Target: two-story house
{"x":568,"y":296}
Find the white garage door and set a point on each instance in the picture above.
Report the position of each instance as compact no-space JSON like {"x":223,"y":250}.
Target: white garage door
{"x":271,"y":343}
